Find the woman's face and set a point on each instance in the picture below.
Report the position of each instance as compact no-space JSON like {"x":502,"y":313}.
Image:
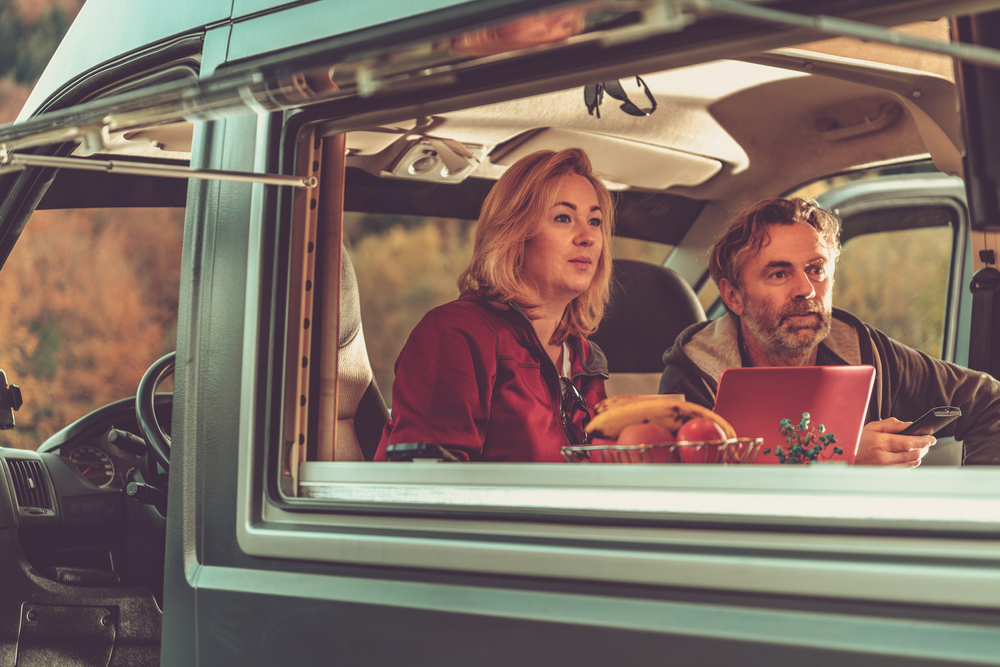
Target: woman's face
{"x":560,"y":262}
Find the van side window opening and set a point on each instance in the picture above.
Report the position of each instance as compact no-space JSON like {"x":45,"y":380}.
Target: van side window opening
{"x":898,"y":282}
{"x":88,"y":300}
{"x":407,"y":264}
{"x":406,"y":249}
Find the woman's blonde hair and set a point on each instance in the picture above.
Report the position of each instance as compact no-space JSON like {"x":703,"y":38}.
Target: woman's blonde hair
{"x":512,"y":214}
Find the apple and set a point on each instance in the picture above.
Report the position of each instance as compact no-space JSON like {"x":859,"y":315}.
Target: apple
{"x":645,"y":433}
{"x":699,"y":429}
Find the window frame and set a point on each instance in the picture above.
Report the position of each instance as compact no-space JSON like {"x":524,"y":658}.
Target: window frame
{"x":873,"y":554}
{"x":459,"y":521}
{"x":912,"y":191}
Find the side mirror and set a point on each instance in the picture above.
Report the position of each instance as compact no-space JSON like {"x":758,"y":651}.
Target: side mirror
{"x":10,"y":401}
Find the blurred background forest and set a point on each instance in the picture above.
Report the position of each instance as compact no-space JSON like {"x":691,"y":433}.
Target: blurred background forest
{"x":88,"y":298}
{"x":30,"y":31}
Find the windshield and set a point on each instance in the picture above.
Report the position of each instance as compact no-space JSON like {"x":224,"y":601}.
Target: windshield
{"x":88,"y":300}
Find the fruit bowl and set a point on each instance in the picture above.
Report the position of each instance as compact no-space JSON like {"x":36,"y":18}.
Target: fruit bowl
{"x":733,"y":450}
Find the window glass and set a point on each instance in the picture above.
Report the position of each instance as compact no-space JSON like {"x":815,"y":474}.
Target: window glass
{"x":645,"y":251}
{"x":405,"y":265}
{"x":814,"y":189}
{"x":898,"y":282}
{"x":709,"y":299}
{"x":88,"y":300}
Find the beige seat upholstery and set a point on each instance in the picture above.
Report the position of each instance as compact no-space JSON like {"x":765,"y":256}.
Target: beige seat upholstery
{"x":361,"y":412}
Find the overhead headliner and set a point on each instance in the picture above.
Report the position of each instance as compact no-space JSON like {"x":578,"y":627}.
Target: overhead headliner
{"x":648,"y":216}
{"x":765,"y":120}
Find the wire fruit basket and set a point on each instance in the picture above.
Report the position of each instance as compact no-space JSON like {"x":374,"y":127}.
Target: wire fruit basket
{"x":733,"y":450}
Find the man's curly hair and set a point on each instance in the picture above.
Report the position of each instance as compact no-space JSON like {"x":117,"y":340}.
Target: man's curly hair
{"x":747,"y":233}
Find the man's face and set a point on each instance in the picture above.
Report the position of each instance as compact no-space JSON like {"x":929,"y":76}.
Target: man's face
{"x":786,"y":296}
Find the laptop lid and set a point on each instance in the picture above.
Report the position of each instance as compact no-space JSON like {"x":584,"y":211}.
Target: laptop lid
{"x":755,"y":400}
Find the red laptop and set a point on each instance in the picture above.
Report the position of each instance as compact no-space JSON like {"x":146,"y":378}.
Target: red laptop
{"x":755,"y":400}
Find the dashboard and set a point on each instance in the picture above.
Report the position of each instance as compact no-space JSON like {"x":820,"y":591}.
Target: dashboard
{"x":75,"y":522}
{"x":103,"y":464}
{"x":84,"y":444}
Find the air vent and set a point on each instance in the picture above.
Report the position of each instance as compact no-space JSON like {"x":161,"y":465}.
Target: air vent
{"x":29,"y":483}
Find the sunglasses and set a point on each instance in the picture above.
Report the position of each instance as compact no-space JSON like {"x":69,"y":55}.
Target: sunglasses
{"x":573,"y":399}
{"x":593,"y":95}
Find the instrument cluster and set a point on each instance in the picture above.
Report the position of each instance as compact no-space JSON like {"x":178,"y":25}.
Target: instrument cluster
{"x":104,"y":464}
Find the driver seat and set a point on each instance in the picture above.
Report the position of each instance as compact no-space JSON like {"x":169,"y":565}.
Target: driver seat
{"x":361,"y":411}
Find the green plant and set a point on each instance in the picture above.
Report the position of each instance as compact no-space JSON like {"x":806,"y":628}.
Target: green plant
{"x":804,"y":443}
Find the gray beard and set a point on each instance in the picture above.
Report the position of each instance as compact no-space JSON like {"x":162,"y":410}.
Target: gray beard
{"x":782,"y":338}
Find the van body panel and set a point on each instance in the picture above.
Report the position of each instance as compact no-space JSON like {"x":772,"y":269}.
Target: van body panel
{"x":312,"y":21}
{"x":244,"y":8}
{"x":106,"y":30}
{"x":214,"y":50}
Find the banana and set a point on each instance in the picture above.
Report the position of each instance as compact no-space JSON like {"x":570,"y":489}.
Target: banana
{"x":617,"y":412}
{"x":611,"y":422}
{"x":623,"y":400}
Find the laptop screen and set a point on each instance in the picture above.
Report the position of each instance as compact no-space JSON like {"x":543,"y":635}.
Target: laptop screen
{"x":756,"y":400}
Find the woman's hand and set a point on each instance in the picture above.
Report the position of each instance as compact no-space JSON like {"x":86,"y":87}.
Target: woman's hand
{"x":882,"y":446}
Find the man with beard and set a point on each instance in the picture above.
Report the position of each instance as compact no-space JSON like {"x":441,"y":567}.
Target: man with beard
{"x":774,"y":266}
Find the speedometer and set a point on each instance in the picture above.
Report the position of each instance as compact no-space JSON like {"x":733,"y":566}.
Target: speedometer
{"x":93,"y":464}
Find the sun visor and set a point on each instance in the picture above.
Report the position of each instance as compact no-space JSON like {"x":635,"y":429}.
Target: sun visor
{"x":617,"y":160}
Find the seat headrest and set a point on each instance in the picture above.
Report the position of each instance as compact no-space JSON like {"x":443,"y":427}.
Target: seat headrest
{"x":350,"y":301}
{"x":650,"y":305}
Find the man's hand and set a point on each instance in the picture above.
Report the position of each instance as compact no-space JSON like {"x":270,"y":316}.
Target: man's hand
{"x":881,"y":446}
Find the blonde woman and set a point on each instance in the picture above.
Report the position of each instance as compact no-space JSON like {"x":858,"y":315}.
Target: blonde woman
{"x":505,"y":372}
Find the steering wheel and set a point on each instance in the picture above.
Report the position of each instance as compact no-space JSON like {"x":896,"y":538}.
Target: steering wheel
{"x":158,"y":441}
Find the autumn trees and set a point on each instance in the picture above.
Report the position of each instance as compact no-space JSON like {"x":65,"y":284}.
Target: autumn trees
{"x":88,"y":300}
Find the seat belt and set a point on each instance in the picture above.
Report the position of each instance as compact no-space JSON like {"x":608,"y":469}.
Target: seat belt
{"x":985,"y":288}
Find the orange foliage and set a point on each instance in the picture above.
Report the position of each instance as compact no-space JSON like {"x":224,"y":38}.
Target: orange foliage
{"x":30,"y":10}
{"x":88,"y":300}
{"x":12,"y":99}
{"x":26,"y":15}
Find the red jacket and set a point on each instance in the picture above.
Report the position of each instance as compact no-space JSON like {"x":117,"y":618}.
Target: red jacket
{"x":476,"y":379}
